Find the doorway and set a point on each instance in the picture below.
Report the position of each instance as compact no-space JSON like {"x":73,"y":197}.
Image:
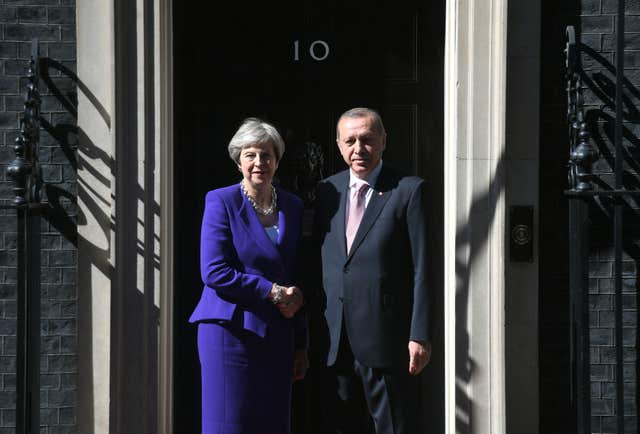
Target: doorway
{"x":300,"y":65}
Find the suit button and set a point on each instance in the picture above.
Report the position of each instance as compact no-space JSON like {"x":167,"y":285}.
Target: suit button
{"x":345,"y":270}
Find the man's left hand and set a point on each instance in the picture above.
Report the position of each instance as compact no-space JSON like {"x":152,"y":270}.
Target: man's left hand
{"x":300,"y":364}
{"x":419,"y":356}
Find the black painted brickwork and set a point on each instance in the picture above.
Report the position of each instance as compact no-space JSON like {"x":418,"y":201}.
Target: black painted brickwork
{"x":595,"y":22}
{"x":598,"y":33}
{"x":53,"y":22}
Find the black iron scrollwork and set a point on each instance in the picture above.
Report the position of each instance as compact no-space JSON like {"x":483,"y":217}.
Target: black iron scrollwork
{"x":582,"y":153}
{"x":24,"y":170}
{"x":308,"y":166}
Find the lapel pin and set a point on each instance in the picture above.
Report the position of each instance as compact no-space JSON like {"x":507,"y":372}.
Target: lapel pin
{"x":380,"y":193}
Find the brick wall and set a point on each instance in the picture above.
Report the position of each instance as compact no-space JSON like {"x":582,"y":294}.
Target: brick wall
{"x":595,"y":21}
{"x":598,"y":29}
{"x":53,"y":22}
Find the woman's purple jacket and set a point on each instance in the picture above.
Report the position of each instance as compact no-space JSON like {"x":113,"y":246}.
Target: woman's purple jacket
{"x":239,"y":263}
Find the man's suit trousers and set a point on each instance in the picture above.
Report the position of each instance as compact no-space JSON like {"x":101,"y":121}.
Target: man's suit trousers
{"x":367,"y":400}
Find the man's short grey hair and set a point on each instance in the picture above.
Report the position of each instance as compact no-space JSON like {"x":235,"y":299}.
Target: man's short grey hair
{"x":363,"y":112}
{"x":254,"y":131}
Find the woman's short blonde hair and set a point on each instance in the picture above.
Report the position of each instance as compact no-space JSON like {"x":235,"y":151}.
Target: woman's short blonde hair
{"x":254,"y":131}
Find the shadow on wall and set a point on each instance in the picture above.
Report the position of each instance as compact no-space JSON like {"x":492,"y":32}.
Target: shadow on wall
{"x":470,"y":242}
{"x":599,"y":79}
{"x":132,"y":299}
{"x":68,"y":215}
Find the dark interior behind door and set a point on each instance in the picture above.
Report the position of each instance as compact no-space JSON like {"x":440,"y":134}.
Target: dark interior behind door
{"x":299,"y":65}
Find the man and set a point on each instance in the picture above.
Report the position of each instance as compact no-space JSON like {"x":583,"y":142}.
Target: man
{"x":371,"y":225}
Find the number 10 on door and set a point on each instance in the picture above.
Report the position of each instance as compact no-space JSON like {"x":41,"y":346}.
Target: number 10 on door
{"x":318,"y":50}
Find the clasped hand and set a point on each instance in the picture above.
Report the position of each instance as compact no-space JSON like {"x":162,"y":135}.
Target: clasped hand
{"x":291,"y":302}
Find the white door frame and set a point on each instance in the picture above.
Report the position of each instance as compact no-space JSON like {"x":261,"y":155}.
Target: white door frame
{"x":475,"y":88}
{"x":165,"y":92}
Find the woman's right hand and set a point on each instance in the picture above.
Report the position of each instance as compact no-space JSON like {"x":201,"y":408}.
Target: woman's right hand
{"x":291,"y":301}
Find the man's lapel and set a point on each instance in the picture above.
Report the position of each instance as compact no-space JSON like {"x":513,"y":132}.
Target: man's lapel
{"x":379,"y":197}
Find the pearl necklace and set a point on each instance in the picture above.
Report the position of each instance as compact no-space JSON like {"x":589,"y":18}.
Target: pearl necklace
{"x":262,"y":211}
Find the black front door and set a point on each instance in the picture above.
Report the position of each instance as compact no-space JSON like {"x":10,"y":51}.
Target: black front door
{"x":300,"y":65}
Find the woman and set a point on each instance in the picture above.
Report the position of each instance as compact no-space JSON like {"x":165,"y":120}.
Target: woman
{"x":251,"y":343}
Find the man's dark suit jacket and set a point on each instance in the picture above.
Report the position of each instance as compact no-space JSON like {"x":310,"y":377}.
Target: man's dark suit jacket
{"x":381,"y":285}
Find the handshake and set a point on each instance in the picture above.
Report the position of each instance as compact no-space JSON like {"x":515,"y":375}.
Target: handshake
{"x":287,"y":299}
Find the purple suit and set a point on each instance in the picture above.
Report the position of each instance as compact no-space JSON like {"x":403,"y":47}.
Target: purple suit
{"x":245,"y":344}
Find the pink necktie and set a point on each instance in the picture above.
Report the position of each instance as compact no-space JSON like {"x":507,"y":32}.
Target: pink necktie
{"x":356,"y":211}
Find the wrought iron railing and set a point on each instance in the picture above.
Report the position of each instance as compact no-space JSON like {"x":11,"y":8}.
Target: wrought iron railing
{"x":26,"y":175}
{"x":581,"y":192}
